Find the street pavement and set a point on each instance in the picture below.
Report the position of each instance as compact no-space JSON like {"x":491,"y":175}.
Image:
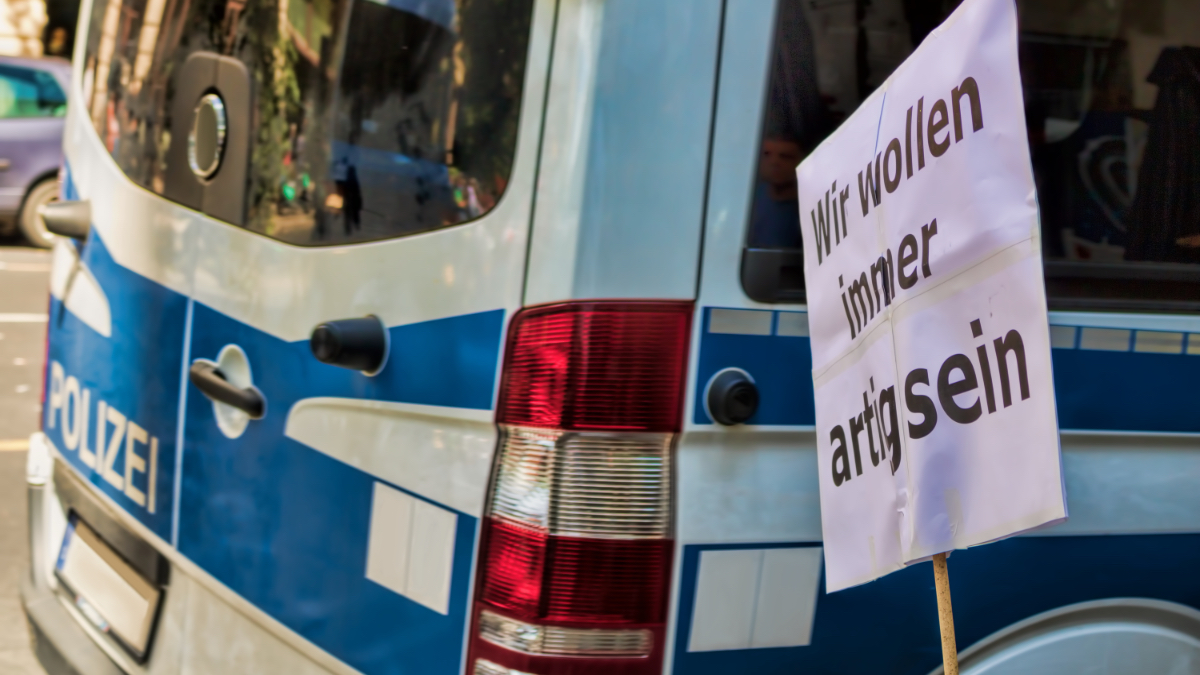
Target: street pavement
{"x":24,"y":280}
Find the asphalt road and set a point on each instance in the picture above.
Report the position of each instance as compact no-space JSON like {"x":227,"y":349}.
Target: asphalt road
{"x":24,"y":279}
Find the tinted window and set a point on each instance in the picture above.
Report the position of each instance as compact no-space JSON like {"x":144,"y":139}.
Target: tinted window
{"x":372,"y":119}
{"x":30,"y":93}
{"x":1112,"y":97}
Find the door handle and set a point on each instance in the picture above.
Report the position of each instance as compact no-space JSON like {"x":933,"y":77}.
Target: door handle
{"x":68,"y":219}
{"x":212,"y":383}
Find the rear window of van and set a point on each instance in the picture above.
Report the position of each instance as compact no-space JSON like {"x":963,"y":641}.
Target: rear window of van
{"x":373,"y":119}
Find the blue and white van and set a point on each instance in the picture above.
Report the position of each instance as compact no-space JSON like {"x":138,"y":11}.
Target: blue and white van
{"x":468,"y":337}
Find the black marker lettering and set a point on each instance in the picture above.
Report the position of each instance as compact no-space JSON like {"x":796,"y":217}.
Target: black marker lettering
{"x":887,"y":399}
{"x":919,"y":404}
{"x":969,"y":89}
{"x":868,"y":418}
{"x":856,"y":428}
{"x":907,"y":256}
{"x":839,"y":452}
{"x":872,"y":187}
{"x":947,"y":390}
{"x":908,"y":170}
{"x":920,"y":134}
{"x":1011,"y":343}
{"x":893,"y":151}
{"x":938,"y":120}
{"x":927,"y":232}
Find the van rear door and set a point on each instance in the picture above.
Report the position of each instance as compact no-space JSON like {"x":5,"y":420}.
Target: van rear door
{"x":388,"y":198}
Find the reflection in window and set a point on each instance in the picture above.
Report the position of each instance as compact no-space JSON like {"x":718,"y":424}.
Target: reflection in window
{"x":1112,"y":96}
{"x":374,"y":119}
{"x":30,"y":93}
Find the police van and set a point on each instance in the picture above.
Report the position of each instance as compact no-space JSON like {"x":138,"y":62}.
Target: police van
{"x":446,"y":337}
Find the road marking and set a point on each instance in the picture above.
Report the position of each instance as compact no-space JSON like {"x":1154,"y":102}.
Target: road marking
{"x":24,"y":318}
{"x":24,"y":267}
{"x":14,"y":445}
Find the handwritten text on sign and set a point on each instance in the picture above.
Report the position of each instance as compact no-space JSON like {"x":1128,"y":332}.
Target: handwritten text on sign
{"x":936,"y":426}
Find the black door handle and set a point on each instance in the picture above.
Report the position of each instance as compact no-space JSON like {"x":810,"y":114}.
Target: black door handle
{"x":212,"y":383}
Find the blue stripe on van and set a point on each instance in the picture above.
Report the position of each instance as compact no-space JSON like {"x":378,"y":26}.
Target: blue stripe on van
{"x":286,"y":526}
{"x":1126,"y":390}
{"x":1130,"y":389}
{"x":277,"y":522}
{"x":781,"y":366}
{"x":890,"y":625}
{"x":136,"y":371}
{"x":448,"y":362}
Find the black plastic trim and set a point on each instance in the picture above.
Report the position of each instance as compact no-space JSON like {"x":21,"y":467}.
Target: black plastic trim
{"x":777,"y":276}
{"x":358,"y":344}
{"x":773,"y":275}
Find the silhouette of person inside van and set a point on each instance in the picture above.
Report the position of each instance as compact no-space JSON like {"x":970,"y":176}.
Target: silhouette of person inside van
{"x":352,"y":201}
{"x":775,"y":222}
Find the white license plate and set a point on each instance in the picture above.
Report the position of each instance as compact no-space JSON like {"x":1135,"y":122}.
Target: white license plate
{"x":108,"y":592}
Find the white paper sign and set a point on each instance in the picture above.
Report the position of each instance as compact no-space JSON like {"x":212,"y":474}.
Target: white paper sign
{"x":936,"y":425}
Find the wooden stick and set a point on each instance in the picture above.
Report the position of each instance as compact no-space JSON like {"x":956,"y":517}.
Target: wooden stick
{"x":941,"y":580}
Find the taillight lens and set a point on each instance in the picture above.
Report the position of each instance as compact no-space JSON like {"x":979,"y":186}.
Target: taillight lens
{"x":575,"y":522}
{"x":577,"y":545}
{"x":597,"y":365}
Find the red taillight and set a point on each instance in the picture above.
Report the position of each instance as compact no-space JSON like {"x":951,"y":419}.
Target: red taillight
{"x":597,"y":365}
{"x":591,"y":581}
{"x":575,"y":562}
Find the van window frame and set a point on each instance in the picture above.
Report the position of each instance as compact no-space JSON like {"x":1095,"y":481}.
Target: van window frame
{"x":775,"y":275}
{"x":397,"y":228}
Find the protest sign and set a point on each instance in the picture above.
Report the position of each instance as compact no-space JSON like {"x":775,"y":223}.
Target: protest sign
{"x":935,"y":417}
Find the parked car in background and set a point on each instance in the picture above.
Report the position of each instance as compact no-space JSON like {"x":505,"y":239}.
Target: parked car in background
{"x":33,"y":102}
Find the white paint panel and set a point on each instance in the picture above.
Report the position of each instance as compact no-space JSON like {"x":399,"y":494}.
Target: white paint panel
{"x":1105,"y":339}
{"x":388,"y":544}
{"x":787,"y":597}
{"x":748,"y":486}
{"x":223,"y":640}
{"x":1062,"y":337}
{"x":762,"y":487}
{"x":622,"y":176}
{"x":170,"y":633}
{"x":746,"y":58}
{"x":72,"y":283}
{"x":792,"y":324}
{"x":1130,"y":484}
{"x":1158,"y":342}
{"x":444,"y":454}
{"x":726,"y":590}
{"x":553,"y":249}
{"x":411,"y":547}
{"x":739,"y":322}
{"x":431,"y":556}
{"x":1168,"y":322}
